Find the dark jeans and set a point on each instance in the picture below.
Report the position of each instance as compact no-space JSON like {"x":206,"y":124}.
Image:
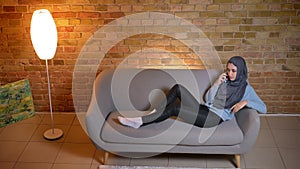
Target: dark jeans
{"x":186,"y":109}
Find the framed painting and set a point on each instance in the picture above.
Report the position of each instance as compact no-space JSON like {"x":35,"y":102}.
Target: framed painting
{"x":16,"y":102}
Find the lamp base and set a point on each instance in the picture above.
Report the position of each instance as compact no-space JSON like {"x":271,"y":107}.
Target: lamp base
{"x":53,"y":134}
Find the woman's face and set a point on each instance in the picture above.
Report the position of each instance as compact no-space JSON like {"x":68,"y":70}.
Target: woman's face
{"x":231,"y":70}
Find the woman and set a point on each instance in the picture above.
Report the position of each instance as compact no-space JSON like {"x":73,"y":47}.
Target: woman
{"x":230,"y":93}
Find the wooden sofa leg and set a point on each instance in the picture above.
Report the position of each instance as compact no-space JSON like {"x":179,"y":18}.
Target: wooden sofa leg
{"x":105,"y":158}
{"x":238,"y":160}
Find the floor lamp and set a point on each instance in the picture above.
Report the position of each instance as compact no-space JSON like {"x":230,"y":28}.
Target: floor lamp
{"x":43,"y":34}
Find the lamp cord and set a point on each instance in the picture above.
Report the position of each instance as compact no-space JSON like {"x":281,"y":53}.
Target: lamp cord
{"x":49,"y":93}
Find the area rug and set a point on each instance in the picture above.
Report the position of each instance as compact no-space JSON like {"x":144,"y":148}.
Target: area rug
{"x":145,"y":167}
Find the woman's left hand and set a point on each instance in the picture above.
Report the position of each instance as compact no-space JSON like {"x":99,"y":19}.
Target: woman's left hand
{"x":238,"y":106}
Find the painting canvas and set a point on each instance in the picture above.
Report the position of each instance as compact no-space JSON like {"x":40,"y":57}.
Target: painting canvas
{"x":16,"y":102}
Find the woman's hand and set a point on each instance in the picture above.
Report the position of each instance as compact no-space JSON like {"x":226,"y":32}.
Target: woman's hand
{"x":238,"y":106}
{"x":221,"y":79}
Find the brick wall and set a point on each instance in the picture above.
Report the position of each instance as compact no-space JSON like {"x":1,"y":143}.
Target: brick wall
{"x":265,"y":32}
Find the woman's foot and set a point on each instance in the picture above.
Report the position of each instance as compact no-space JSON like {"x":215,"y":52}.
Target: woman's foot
{"x":135,"y":122}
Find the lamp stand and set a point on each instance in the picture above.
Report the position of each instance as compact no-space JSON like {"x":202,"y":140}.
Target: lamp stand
{"x":53,"y":133}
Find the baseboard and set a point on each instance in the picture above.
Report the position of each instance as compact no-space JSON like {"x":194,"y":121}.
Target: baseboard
{"x":280,"y":114}
{"x":147,"y":167}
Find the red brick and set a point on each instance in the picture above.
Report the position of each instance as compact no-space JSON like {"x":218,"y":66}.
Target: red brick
{"x":9,"y":8}
{"x":15,"y":22}
{"x":54,"y":1}
{"x":61,"y":7}
{"x":294,"y":80}
{"x":64,"y":15}
{"x":112,"y":15}
{"x":4,"y":22}
{"x":200,"y":1}
{"x":84,"y":29}
{"x":88,"y":15}
{"x":21,"y":8}
{"x":31,"y":2}
{"x":69,"y":49}
{"x":11,"y":16}
{"x":65,"y":28}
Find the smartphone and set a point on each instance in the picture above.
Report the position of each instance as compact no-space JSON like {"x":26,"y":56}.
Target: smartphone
{"x":227,"y":77}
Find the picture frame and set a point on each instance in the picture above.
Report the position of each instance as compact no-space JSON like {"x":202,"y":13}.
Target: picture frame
{"x":16,"y":102}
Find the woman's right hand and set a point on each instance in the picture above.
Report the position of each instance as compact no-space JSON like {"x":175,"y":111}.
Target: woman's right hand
{"x":221,"y":79}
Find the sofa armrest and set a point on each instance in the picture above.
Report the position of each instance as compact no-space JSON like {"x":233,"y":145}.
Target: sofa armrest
{"x":249,"y":122}
{"x":100,"y":106}
{"x":94,"y":121}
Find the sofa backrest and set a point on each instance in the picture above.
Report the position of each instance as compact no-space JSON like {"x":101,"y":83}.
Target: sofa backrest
{"x":141,"y":89}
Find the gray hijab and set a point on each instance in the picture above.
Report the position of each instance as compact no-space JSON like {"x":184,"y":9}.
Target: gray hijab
{"x":232,"y":92}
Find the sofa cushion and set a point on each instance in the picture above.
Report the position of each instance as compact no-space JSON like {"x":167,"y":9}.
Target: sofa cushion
{"x":170,"y":132}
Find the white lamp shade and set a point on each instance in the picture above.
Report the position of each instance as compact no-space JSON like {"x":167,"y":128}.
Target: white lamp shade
{"x":43,"y":34}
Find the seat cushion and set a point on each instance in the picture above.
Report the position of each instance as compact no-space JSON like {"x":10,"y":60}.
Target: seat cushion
{"x":170,"y":132}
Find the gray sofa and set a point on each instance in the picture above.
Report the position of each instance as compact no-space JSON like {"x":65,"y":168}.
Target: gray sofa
{"x":131,"y":92}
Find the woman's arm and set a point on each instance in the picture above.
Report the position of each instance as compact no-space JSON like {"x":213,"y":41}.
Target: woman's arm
{"x":251,"y":100}
{"x":211,"y":93}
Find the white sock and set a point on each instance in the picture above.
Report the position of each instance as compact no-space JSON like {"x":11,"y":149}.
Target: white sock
{"x":135,"y":122}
